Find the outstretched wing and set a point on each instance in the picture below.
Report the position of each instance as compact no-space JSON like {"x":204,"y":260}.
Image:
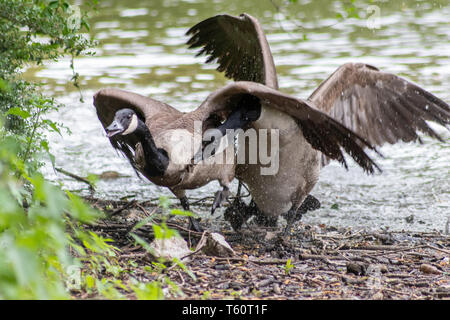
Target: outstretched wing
{"x":320,"y":130}
{"x":239,"y":46}
{"x":379,"y":106}
{"x":109,"y":101}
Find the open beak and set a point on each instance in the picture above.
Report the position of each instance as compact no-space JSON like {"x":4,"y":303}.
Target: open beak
{"x":113,"y":129}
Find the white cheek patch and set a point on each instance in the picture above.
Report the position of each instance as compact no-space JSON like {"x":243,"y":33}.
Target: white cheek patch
{"x":133,"y":125}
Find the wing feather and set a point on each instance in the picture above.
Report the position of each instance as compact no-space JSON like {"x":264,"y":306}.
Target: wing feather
{"x":379,"y":106}
{"x":322,"y":131}
{"x":239,"y":46}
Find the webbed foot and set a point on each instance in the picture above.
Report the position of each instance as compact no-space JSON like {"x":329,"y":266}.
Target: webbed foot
{"x":309,"y":204}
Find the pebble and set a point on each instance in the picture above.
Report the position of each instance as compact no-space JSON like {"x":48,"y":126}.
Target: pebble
{"x":378,"y":296}
{"x":264,"y":283}
{"x":235,"y":285}
{"x":427,"y":268}
{"x":222,"y":267}
{"x":276,"y":288}
{"x":356,"y":268}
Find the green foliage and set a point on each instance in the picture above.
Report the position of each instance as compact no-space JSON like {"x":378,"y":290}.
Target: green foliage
{"x":288,"y":267}
{"x":32,"y":32}
{"x":39,"y":223}
{"x":34,"y":258}
{"x":45,"y":250}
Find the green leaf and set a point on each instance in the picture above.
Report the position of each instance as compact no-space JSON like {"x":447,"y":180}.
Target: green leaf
{"x":159,"y":234}
{"x":90,"y":282}
{"x":44,"y":145}
{"x":92,"y":178}
{"x":182,"y":266}
{"x":178,"y":212}
{"x":53,"y":4}
{"x":52,"y":125}
{"x":16,"y":111}
{"x":4,"y":86}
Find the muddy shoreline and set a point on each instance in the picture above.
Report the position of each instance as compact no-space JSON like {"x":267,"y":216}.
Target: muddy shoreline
{"x":313,"y":262}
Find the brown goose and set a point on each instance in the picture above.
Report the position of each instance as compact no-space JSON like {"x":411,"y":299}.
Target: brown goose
{"x":159,"y":141}
{"x":379,"y":107}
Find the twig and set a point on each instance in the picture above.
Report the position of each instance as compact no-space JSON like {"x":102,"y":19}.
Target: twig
{"x":148,"y":214}
{"x":438,"y":249}
{"x":76,"y":177}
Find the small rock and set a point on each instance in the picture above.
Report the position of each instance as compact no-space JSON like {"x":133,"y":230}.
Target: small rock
{"x":383,"y":268}
{"x":264,"y":283}
{"x":174,"y":247}
{"x":410,"y":219}
{"x":356,"y":268}
{"x":376,"y":269}
{"x":378,"y":296}
{"x":214,"y":244}
{"x":270,"y":235}
{"x":223,"y":286}
{"x":427,"y":268}
{"x":222,"y":267}
{"x":276,"y":288}
{"x":383,"y":260}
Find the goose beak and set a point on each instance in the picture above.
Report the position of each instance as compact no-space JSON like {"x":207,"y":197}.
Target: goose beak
{"x":113,"y":129}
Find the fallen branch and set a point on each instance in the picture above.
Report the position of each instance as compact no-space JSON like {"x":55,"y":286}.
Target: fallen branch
{"x":76,"y":177}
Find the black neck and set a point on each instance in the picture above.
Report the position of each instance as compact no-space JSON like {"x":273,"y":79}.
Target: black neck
{"x":156,"y":159}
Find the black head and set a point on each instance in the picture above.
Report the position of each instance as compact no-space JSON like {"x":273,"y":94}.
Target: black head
{"x":125,"y":122}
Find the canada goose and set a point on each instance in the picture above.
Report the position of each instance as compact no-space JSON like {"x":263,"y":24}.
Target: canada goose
{"x":158,"y":140}
{"x":379,"y":107}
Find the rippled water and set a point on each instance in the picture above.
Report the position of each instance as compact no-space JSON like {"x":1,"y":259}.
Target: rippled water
{"x":141,"y":48}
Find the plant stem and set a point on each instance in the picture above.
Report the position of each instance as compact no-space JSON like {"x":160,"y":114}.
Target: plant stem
{"x":31,"y":138}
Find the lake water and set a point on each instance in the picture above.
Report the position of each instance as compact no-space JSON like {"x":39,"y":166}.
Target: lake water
{"x":141,"y":49}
